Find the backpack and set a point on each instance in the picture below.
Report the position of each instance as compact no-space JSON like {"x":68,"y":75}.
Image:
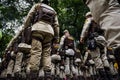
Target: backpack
{"x":91,"y":44}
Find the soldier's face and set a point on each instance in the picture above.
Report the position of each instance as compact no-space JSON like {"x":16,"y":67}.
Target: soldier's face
{"x":67,"y":34}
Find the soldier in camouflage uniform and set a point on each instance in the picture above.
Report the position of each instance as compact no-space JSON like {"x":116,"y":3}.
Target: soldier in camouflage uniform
{"x":45,"y":27}
{"x":106,"y":13}
{"x":90,"y":29}
{"x":67,"y":45}
{"x":9,"y":58}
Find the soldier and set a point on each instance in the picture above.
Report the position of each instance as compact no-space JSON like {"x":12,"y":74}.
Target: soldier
{"x":66,"y":33}
{"x":91,"y":29}
{"x":67,"y":45}
{"x":106,"y":13}
{"x":61,"y":52}
{"x":45,"y":27}
{"x":56,"y":59}
{"x":10,"y":54}
{"x":89,"y":63}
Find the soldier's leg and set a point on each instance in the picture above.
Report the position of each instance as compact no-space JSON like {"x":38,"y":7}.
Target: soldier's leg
{"x":27,"y":69}
{"x":18,"y":65}
{"x":91,"y":72}
{"x":3,"y":74}
{"x":106,"y":63}
{"x":35,"y":57}
{"x":98,"y":63}
{"x":103,"y":52}
{"x":10,"y":68}
{"x":62,"y":72}
{"x":100,"y":68}
{"x":113,"y":71}
{"x":80,"y":74}
{"x":67,"y":66}
{"x":117,"y":56}
{"x":46,"y":59}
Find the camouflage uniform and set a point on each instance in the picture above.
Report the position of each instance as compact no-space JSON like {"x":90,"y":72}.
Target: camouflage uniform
{"x":10,"y":66}
{"x":98,"y":61}
{"x":90,"y":29}
{"x":43,"y":30}
{"x":106,"y":13}
{"x":68,"y":46}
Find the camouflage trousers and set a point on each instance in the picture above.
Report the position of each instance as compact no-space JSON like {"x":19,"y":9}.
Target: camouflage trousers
{"x":96,"y":57}
{"x":40,"y":51}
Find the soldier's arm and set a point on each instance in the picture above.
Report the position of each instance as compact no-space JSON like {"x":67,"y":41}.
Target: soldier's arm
{"x":30,"y":15}
{"x":56,"y":27}
{"x":61,"y":43}
{"x":85,"y":28}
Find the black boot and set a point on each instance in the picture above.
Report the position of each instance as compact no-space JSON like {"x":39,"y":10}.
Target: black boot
{"x":81,"y":78}
{"x":9,"y":77}
{"x":48,"y":75}
{"x":33,"y":75}
{"x":41,"y":78}
{"x":108,"y":73}
{"x":95,"y":77}
{"x":92,"y":77}
{"x":102,"y":74}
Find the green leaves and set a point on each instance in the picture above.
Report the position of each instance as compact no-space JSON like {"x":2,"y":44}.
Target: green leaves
{"x":0,"y":34}
{"x":71,"y":15}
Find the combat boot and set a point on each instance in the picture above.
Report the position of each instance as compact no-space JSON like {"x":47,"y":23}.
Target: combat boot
{"x":108,"y":73}
{"x":9,"y":77}
{"x":33,"y":75}
{"x":102,"y":74}
{"x":81,"y":78}
{"x":17,"y":76}
{"x":48,"y":75}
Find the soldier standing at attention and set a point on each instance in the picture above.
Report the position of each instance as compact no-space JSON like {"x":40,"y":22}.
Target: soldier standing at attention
{"x":45,"y":27}
{"x":107,"y":14}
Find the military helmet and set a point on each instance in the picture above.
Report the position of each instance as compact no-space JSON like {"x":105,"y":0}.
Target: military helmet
{"x":88,"y":14}
{"x":65,"y":31}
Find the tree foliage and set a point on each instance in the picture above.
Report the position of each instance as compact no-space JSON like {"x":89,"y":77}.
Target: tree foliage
{"x":13,"y":12}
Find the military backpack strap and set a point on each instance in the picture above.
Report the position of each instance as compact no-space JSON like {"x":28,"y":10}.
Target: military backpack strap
{"x":48,"y":16}
{"x":37,"y":14}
